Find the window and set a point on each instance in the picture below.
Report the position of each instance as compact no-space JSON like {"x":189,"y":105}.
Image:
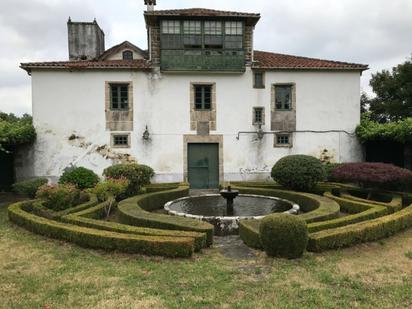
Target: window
{"x":213,"y":34}
{"x":170,"y":27}
{"x":258,"y":115}
{"x":283,"y":97}
{"x":171,"y":34}
{"x":282,"y":140}
{"x":127,"y":55}
{"x":233,"y":34}
{"x":192,"y":34}
{"x":120,"y":140}
{"x":203,"y":97}
{"x":119,"y":96}
{"x":258,"y":80}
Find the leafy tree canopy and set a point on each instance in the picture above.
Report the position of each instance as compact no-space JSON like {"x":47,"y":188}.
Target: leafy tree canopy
{"x":393,"y":91}
{"x":400,"y":131}
{"x":15,"y":131}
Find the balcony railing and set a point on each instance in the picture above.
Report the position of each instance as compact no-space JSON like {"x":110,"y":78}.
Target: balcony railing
{"x":202,"y":60}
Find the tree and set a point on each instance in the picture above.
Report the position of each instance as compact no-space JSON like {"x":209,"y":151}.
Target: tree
{"x":15,"y":131}
{"x":364,"y":103}
{"x":393,"y":90}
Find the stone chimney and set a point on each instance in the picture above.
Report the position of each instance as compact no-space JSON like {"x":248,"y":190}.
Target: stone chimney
{"x":150,"y":5}
{"x":86,"y":40}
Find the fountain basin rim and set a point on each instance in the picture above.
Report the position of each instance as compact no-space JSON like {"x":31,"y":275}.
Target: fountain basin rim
{"x":293,"y":210}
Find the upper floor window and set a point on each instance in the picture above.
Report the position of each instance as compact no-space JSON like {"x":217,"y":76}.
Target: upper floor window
{"x":233,"y":34}
{"x":192,"y":34}
{"x":258,"y":80}
{"x":171,"y":27}
{"x":213,"y":34}
{"x":203,"y":97}
{"x":283,"y":140}
{"x":127,"y":55}
{"x":119,"y":96}
{"x":258,"y":115}
{"x":196,"y":34}
{"x":120,"y":140}
{"x":283,"y":97}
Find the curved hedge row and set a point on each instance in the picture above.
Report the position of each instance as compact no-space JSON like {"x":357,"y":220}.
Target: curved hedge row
{"x":368,"y":220}
{"x":359,"y":211}
{"x":393,"y":205}
{"x":361,"y":232}
{"x":315,"y":207}
{"x":135,"y":211}
{"x":87,"y":218}
{"x":43,"y":211}
{"x":19,"y":213}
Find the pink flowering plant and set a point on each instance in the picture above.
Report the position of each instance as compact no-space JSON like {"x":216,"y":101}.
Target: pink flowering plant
{"x":372,"y":175}
{"x":58,"y":196}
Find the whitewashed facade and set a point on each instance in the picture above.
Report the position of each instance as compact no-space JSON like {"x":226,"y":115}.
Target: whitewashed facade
{"x":70,"y":117}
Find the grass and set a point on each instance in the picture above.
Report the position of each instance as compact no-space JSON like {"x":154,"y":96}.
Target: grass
{"x":36,"y":272}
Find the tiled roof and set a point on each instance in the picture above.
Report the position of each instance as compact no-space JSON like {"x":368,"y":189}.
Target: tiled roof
{"x":114,"y":49}
{"x":201,"y":12}
{"x":138,"y":64}
{"x":267,"y":60}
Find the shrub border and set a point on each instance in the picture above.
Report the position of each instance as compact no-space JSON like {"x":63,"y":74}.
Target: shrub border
{"x":19,"y":213}
{"x":89,"y":218}
{"x":135,"y":211}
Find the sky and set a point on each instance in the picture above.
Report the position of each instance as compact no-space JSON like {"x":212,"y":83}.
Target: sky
{"x":373,"y":32}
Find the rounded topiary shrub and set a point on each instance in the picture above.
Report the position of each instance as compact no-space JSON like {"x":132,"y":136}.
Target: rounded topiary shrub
{"x":138,"y":175}
{"x":29,"y":187}
{"x":81,"y":177}
{"x":59,"y":197}
{"x":283,"y":235}
{"x":298,"y":172}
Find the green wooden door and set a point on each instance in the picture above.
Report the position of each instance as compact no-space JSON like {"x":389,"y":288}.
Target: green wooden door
{"x":203,"y":165}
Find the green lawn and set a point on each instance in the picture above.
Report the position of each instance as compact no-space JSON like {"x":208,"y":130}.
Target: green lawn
{"x":39,"y":273}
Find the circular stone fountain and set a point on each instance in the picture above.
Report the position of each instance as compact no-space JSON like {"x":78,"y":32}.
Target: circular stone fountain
{"x":224,"y":210}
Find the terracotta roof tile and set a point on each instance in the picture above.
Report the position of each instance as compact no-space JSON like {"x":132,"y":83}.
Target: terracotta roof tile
{"x":267,"y":60}
{"x":201,"y":12}
{"x":138,"y":64}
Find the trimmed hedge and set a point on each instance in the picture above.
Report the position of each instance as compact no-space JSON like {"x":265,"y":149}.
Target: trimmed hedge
{"x":394,"y":205}
{"x":41,"y":210}
{"x":361,"y":232}
{"x":283,"y":235}
{"x":315,"y":208}
{"x":156,"y":187}
{"x":19,"y":213}
{"x":359,"y":212}
{"x":88,"y":218}
{"x":136,"y":211}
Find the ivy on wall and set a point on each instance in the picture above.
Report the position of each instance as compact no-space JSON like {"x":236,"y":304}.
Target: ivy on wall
{"x":15,"y":131}
{"x":399,"y":131}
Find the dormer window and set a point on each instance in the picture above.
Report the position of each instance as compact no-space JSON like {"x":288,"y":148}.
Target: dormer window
{"x":127,"y":55}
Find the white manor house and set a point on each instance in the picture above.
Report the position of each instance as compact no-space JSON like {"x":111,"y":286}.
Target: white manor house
{"x":201,"y":104}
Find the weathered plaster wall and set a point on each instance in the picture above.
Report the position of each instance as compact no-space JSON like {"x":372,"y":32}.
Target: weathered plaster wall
{"x":72,"y":104}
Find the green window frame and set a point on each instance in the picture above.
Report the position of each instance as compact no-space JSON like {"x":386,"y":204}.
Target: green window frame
{"x":283,"y":97}
{"x":121,"y":140}
{"x":198,"y":34}
{"x":283,"y":139}
{"x":258,"y":80}
{"x":258,"y":115}
{"x":119,"y":96}
{"x":203,"y":97}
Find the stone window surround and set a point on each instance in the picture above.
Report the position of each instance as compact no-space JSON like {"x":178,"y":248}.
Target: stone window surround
{"x":112,"y":135}
{"x":289,"y":145}
{"x":263,"y":80}
{"x":197,"y":139}
{"x":127,"y":121}
{"x":253,"y":115}
{"x":273,"y":96}
{"x":202,"y":115}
